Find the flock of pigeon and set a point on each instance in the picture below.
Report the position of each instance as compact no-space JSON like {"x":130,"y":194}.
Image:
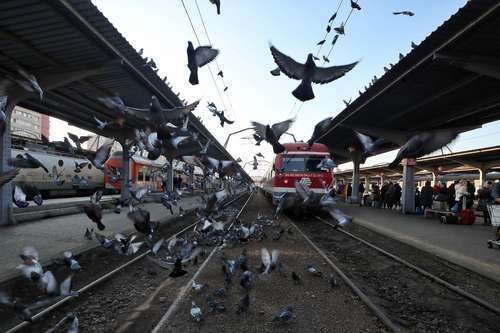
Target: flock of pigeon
{"x":162,"y":137}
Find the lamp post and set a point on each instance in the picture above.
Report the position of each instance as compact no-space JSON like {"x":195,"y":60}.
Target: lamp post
{"x":230,"y":134}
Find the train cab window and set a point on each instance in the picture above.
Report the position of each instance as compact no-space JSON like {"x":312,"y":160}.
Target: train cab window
{"x":140,"y":176}
{"x":301,"y":163}
{"x":60,"y":163}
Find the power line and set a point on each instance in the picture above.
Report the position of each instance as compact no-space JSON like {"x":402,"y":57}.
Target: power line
{"x":216,"y":62}
{"x":199,"y":43}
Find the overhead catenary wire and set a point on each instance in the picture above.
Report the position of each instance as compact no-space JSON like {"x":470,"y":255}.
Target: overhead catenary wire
{"x":216,"y":61}
{"x":199,"y":43}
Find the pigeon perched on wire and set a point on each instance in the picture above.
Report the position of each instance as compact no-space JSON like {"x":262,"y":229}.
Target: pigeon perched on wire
{"x":221,"y":74}
{"x":27,"y":161}
{"x":223,"y":120}
{"x":217,"y":4}
{"x":340,"y":29}
{"x":404,"y":12}
{"x":273,"y":133}
{"x":354,"y":5}
{"x":198,"y":58}
{"x":308,"y":73}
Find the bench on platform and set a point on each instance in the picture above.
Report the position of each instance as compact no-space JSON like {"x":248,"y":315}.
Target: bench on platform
{"x":437,"y":212}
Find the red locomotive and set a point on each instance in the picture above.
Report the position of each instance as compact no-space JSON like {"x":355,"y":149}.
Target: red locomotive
{"x":143,"y":172}
{"x":299,"y":162}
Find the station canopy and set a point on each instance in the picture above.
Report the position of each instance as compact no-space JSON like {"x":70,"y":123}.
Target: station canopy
{"x":451,"y":79}
{"x":77,"y":55}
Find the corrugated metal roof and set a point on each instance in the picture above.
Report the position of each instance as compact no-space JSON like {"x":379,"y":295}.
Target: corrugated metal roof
{"x":421,"y":93}
{"x":53,"y":35}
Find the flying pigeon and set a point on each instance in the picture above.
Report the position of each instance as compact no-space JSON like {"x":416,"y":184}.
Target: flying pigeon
{"x":27,"y":81}
{"x":319,"y":129}
{"x":102,"y":155}
{"x":308,"y":73}
{"x":113,"y":102}
{"x":199,"y":57}
{"x":93,"y":210}
{"x":213,"y":109}
{"x":404,"y":12}
{"x":217,"y":4}
{"x":27,"y":162}
{"x":328,"y":29}
{"x":78,"y":140}
{"x":273,"y":133}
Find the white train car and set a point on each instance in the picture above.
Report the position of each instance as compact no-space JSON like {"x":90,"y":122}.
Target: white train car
{"x":81,"y":183}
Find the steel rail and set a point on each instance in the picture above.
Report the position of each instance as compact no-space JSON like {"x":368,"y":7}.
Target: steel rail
{"x":106,"y":276}
{"x":164,"y":320}
{"x":421,"y":271}
{"x":374,"y":308}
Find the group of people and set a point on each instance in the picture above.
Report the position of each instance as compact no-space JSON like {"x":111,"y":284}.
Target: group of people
{"x":388,"y":196}
{"x":452,"y":197}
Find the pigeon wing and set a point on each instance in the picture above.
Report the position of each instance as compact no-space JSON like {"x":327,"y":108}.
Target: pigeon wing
{"x":282,"y":127}
{"x":302,"y":190}
{"x":328,"y":74}
{"x":205,"y":54}
{"x":260,"y":129}
{"x":287,"y":65}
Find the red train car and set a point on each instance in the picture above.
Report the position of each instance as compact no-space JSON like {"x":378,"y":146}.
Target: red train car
{"x":299,"y":162}
{"x":143,"y":172}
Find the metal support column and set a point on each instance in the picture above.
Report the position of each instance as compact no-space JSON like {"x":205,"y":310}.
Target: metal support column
{"x":125,"y":189}
{"x":5,"y":155}
{"x":170,"y":175}
{"x":356,"y":158}
{"x":482,"y":176}
{"x":408,"y":195}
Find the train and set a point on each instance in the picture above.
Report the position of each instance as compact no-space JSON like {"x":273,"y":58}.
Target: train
{"x":299,"y":162}
{"x":143,"y":172}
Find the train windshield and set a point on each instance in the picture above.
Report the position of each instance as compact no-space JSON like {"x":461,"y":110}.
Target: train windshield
{"x":301,"y":163}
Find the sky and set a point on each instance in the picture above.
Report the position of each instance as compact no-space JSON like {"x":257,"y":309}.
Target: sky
{"x":243,"y":32}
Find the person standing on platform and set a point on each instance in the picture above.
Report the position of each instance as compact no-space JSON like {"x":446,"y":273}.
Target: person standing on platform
{"x":361,"y":190}
{"x":460,"y":192}
{"x":426,"y":195}
{"x":484,"y":197}
{"x":451,"y":194}
{"x":397,"y":195}
{"x":383,"y":194}
{"x":349,"y":190}
{"x":495,"y":194}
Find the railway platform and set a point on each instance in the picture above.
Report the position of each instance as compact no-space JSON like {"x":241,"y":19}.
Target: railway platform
{"x":464,"y":245}
{"x":52,"y":236}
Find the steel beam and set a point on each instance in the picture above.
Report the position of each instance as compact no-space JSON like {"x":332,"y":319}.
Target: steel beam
{"x":5,"y":156}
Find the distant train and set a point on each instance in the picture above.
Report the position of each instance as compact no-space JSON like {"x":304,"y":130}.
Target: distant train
{"x":70,"y":182}
{"x":143,"y":172}
{"x":299,"y":162}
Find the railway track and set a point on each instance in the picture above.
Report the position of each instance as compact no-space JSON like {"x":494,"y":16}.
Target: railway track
{"x":118,"y":278}
{"x":404,"y":296}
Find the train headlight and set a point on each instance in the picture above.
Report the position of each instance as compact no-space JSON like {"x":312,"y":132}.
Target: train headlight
{"x":285,"y":181}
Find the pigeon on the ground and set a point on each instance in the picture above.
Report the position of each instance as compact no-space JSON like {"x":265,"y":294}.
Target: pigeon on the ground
{"x":244,"y":304}
{"x":269,"y":260}
{"x":196,"y":313}
{"x":177,"y":271}
{"x":273,"y":133}
{"x":313,"y":271}
{"x":285,"y":314}
{"x":296,"y":278}
{"x":308,"y":73}
{"x":199,"y":57}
